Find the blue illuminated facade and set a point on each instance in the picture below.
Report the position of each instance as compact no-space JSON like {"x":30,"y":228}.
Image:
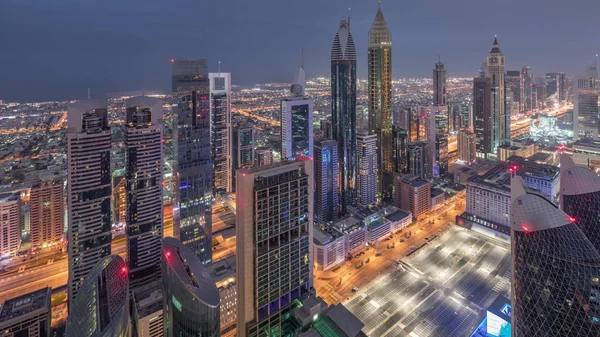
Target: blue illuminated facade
{"x":326,"y":182}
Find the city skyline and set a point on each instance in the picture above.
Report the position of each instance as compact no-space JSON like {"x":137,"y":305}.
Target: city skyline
{"x":114,"y":55}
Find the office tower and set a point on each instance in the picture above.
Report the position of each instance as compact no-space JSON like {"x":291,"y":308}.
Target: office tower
{"x":88,"y":189}
{"x":367,"y":168}
{"x":439,"y":84}
{"x":552,"y":85}
{"x":466,"y":146}
{"x":47,"y":211}
{"x":191,"y":299}
{"x":526,"y":89}
{"x":264,"y":157}
{"x":495,"y":73}
{"x":555,"y":271}
{"x":27,"y":315}
{"x":380,"y":101}
{"x":326,"y":181}
{"x":512,"y":81}
{"x":483,"y":69}
{"x":143,"y":184}
{"x":585,"y":112}
{"x":400,"y":149}
{"x":224,"y":276}
{"x":103,"y":307}
{"x":147,"y":311}
{"x":509,"y":109}
{"x":540,"y":89}
{"x":242,"y":152}
{"x":10,"y":223}
{"x":413,"y":194}
{"x":220,"y":130}
{"x":482,"y":115}
{"x":438,"y":138}
{"x":419,"y":164}
{"x":343,"y":110}
{"x":274,"y":226}
{"x":192,"y":220}
{"x":119,"y":200}
{"x":562,"y":88}
{"x":297,"y":120}
{"x":580,"y":197}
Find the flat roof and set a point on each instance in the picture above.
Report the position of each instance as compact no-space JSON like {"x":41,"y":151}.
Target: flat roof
{"x":398,"y":215}
{"x":22,"y":305}
{"x":588,"y":143}
{"x":435,"y":192}
{"x":345,"y":320}
{"x":348,"y":224}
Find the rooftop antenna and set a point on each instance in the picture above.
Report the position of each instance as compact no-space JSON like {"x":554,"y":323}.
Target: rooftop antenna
{"x":302,"y":59}
{"x":89,"y":93}
{"x":219,"y":67}
{"x":379,"y":1}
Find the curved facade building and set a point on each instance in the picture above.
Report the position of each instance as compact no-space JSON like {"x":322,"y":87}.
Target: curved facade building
{"x":556,"y":271}
{"x":191,"y":298}
{"x":103,"y":310}
{"x":580,"y":192}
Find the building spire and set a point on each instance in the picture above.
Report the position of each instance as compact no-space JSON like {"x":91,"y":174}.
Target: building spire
{"x":496,"y":46}
{"x":379,"y":32}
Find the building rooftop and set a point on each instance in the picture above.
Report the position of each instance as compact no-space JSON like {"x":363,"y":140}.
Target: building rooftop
{"x":345,"y":320}
{"x":323,"y":234}
{"x":22,"y":305}
{"x":588,"y":143}
{"x":221,"y":270}
{"x":539,"y":157}
{"x":348,"y":225}
{"x":398,"y":215}
{"x":10,"y":196}
{"x":148,"y":299}
{"x":435,"y":192}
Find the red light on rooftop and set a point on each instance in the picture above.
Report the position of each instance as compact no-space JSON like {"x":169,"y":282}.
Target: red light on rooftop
{"x":124,"y":269}
{"x":572,"y":219}
{"x":172,"y":60}
{"x":525,"y":229}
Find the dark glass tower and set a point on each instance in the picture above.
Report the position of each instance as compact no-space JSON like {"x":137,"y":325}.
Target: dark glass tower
{"x":192,"y":212}
{"x":556,"y":271}
{"x":343,"y":110}
{"x":482,"y":114}
{"x":326,"y":181}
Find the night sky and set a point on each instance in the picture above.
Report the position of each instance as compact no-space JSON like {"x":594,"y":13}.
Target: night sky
{"x":55,"y":49}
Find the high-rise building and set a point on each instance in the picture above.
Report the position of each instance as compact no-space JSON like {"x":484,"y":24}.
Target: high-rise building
{"x":242,"y":153}
{"x":147,"y":311}
{"x":580,"y":197}
{"x":585,"y":112}
{"x":556,"y":271}
{"x":413,"y":194}
{"x":326,"y":181}
{"x":192,"y":220}
{"x":482,"y":115}
{"x":220,"y":130}
{"x":438,"y":138}
{"x":297,"y":120}
{"x":89,"y":186}
{"x":439,"y":84}
{"x":552,"y":84}
{"x":191,"y":299}
{"x":103,"y":307}
{"x":27,"y":315}
{"x":143,"y":185}
{"x":47,"y":211}
{"x":400,"y":149}
{"x":512,"y":81}
{"x":10,"y":223}
{"x":380,"y":100}
{"x":118,"y":200}
{"x":495,"y":73}
{"x":510,"y":107}
{"x":419,"y":163}
{"x":264,"y":157}
{"x":562,"y":88}
{"x":466,"y":146}
{"x":274,"y":226}
{"x":367,"y":168}
{"x":343,"y":110}
{"x":526,"y":89}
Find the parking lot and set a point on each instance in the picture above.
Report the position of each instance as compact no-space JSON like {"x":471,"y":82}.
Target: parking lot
{"x":441,"y":289}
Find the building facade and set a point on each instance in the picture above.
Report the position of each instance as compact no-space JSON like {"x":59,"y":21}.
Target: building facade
{"x":10,"y":223}
{"x":467,"y":147}
{"x":242,"y":148}
{"x":367,"y":168}
{"x":47,"y":211}
{"x":220,"y":130}
{"x":586,"y":152}
{"x":438,"y":139}
{"x":89,"y":186}
{"x":144,"y":159}
{"x":495,"y":72}
{"x":27,"y":315}
{"x":439,"y":84}
{"x":274,"y":252}
{"x":343,"y":110}
{"x":419,"y":163}
{"x":400,"y":149}
{"x":264,"y":157}
{"x":585,"y":104}
{"x":482,"y":115}
{"x":326,"y":181}
{"x":192,"y":220}
{"x":413,"y":194}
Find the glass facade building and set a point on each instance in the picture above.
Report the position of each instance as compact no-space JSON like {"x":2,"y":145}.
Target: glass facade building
{"x":482,"y":115}
{"x":556,"y":271}
{"x":326,"y":181}
{"x":89,"y":189}
{"x":242,"y":153}
{"x":220,"y":130}
{"x":103,"y":310}
{"x":343,"y":110}
{"x":190,"y":296}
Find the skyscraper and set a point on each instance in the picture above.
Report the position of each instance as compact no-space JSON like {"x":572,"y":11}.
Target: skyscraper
{"x":242,"y":153}
{"x":367,"y":168}
{"x":103,"y":308}
{"x":400,"y":149}
{"x":562,"y":88}
{"x":89,"y":187}
{"x":482,"y":116}
{"x":438,"y":138}
{"x":143,"y":185}
{"x":326,"y":181}
{"x":220,"y":130}
{"x":380,"y":100}
{"x":27,"y":315}
{"x":512,"y":81}
{"x":526,"y":89}
{"x":274,"y":226}
{"x":585,"y":112}
{"x":191,"y":299}
{"x":466,"y":146}
{"x":193,"y":169}
{"x":580,"y":194}
{"x":297,"y":120}
{"x":556,"y":271}
{"x":419,"y":163}
{"x":343,"y":110}
{"x":495,"y":73}
{"x":47,"y":211}
{"x":439,"y":84}
{"x":10,"y":223}
{"x":551,"y":84}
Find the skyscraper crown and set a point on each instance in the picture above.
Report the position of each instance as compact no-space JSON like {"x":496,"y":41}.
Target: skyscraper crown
{"x":495,"y":47}
{"x":343,"y":45}
{"x":379,"y":32}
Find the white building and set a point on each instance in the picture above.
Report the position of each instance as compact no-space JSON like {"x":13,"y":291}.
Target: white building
{"x":378,"y":229}
{"x":148,"y":312}
{"x":587,"y":153}
{"x":224,"y":276}
{"x":10,"y":223}
{"x":220,"y":129}
{"x":329,"y":247}
{"x":398,"y":218}
{"x":366,"y":148}
{"x":355,"y":233}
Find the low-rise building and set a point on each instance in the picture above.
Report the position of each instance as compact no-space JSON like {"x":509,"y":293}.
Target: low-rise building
{"x":329,"y":246}
{"x":378,"y":229}
{"x":317,"y":319}
{"x":587,"y":153}
{"x":355,"y":233}
{"x":224,"y":274}
{"x":413,"y":194}
{"x":26,"y":315}
{"x":438,"y":197}
{"x":398,"y":218}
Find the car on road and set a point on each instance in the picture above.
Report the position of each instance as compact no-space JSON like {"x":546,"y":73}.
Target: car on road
{"x":413,"y":247}
{"x":378,"y":254}
{"x":355,"y":289}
